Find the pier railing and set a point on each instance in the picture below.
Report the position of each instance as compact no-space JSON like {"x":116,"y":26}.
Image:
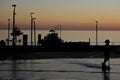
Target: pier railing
{"x":103,"y":43}
{"x":91,"y":43}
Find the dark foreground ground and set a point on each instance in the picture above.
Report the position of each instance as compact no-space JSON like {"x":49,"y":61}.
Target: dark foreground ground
{"x":36,"y":52}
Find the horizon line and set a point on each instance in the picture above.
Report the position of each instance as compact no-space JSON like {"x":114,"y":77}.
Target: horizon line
{"x":74,"y":29}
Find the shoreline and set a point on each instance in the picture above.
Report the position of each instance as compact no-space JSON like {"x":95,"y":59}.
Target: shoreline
{"x":36,"y":52}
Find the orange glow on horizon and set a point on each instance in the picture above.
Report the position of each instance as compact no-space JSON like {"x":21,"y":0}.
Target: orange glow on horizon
{"x":76,"y":14}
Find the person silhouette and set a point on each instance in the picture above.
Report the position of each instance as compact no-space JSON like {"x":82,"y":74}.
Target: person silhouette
{"x":106,"y":52}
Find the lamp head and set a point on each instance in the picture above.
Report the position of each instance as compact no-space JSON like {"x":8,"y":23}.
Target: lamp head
{"x":14,"y":5}
{"x":34,"y":18}
{"x":31,"y":13}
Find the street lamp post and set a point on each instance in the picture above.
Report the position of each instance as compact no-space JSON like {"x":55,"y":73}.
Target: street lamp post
{"x":8,"y":32}
{"x":96,"y":33}
{"x":60,"y":27}
{"x":14,"y":43}
{"x":34,"y":31}
{"x":31,"y":28}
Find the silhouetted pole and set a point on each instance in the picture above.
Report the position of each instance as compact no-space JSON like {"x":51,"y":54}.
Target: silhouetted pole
{"x":60,"y":27}
{"x":8,"y":31}
{"x":56,"y":29}
{"x":34,"y":31}
{"x":31,"y":28}
{"x":89,"y":40}
{"x":60,"y":31}
{"x":14,"y":43}
{"x":96,"y":33}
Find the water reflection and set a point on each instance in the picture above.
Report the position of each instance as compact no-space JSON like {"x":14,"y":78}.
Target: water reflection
{"x":106,"y":75}
{"x":14,"y":70}
{"x":55,"y":69}
{"x":17,"y":67}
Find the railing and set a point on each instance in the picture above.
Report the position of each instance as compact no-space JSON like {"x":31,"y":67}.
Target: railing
{"x":91,"y":43}
{"x":103,"y":43}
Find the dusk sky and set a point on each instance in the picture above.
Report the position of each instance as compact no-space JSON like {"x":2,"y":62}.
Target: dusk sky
{"x":71,"y":14}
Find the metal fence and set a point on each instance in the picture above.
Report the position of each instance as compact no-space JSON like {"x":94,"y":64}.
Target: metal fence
{"x":91,"y":43}
{"x":103,"y":43}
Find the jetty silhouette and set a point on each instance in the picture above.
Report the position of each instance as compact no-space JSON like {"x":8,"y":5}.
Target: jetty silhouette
{"x":52,"y":46}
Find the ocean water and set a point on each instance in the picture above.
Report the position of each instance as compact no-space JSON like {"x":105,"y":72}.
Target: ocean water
{"x":74,"y":35}
{"x":58,"y":69}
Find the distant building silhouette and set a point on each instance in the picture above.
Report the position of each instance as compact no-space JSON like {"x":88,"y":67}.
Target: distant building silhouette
{"x":2,"y":43}
{"x":2,"y":47}
{"x":39,"y":39}
{"x":25,"y":40}
{"x":51,"y":40}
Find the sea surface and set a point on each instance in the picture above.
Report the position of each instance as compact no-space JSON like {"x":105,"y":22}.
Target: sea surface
{"x":73,"y":35}
{"x":58,"y":69}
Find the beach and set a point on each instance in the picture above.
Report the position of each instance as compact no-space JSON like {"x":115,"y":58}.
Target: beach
{"x":58,"y":69}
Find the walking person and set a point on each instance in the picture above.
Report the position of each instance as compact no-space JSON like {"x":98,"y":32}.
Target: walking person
{"x":106,"y":55}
